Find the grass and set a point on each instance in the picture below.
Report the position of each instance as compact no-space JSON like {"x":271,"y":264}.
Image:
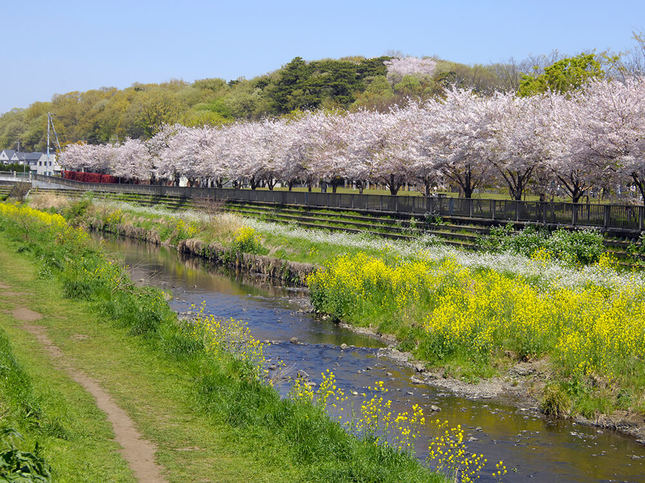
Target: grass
{"x":480,"y":322}
{"x":208,"y":420}
{"x":154,"y":391}
{"x":39,"y":401}
{"x":486,"y":195}
{"x":595,"y":380}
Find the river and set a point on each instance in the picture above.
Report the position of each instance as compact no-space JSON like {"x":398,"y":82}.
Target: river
{"x":532,"y":447}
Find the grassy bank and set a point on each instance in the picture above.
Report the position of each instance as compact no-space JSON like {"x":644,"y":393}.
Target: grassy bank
{"x":49,"y":427}
{"x":475,"y":314}
{"x":478,"y":322}
{"x":233,"y":425}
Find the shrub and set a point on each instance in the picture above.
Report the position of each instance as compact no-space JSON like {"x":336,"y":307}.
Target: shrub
{"x":76,"y":209}
{"x":19,"y":191}
{"x":248,"y":241}
{"x":555,"y":402}
{"x":17,"y":465}
{"x":579,"y":247}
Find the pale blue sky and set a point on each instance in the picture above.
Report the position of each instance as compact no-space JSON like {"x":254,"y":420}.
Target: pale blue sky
{"x":53,"y":46}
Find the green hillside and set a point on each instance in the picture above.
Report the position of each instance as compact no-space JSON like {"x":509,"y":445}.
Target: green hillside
{"x":111,"y":114}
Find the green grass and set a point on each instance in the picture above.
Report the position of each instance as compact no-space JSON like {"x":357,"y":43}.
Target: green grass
{"x":218,"y":230}
{"x":207,"y":419}
{"x":496,"y":195}
{"x":156,"y":391}
{"x":43,"y":403}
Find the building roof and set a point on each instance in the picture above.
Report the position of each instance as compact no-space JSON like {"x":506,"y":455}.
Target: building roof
{"x":8,"y":152}
{"x":35,"y":156}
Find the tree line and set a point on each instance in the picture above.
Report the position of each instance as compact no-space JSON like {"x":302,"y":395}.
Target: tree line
{"x":591,"y":138}
{"x":139,"y":111}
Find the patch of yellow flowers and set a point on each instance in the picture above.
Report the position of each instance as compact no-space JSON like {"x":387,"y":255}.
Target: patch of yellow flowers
{"x":24,"y":215}
{"x":233,"y":337}
{"x":375,"y":420}
{"x":587,"y":330}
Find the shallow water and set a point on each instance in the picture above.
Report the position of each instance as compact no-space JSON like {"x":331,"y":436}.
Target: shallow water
{"x":533,"y":448}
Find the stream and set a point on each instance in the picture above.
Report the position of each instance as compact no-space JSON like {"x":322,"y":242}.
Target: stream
{"x":532,"y":447}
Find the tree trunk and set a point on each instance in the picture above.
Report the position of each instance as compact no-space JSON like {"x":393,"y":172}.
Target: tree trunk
{"x":393,"y":185}
{"x":641,"y":185}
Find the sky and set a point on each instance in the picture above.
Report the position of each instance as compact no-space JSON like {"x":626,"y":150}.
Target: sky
{"x":54,"y":47}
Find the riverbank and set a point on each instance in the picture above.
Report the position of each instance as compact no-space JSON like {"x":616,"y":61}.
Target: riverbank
{"x":611,"y":396}
{"x":133,"y":334}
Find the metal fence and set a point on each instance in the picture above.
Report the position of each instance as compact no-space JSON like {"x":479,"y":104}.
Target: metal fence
{"x":621,"y":218}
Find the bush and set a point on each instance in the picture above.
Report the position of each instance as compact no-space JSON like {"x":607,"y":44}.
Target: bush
{"x":555,"y":402}
{"x":76,"y":209}
{"x":17,"y":465}
{"x":580,"y":247}
{"x":19,"y":191}
{"x":248,"y":241}
{"x":89,"y":177}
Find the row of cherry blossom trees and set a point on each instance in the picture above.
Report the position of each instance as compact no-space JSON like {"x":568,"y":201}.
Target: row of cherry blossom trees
{"x":590,"y":139}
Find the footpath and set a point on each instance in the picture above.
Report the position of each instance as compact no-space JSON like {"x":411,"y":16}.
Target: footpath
{"x":122,"y":408}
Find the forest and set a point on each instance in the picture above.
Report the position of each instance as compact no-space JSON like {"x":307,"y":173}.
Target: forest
{"x":111,"y":115}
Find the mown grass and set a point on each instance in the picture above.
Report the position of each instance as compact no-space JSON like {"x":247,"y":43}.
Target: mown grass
{"x":42,"y":403}
{"x":208,"y":419}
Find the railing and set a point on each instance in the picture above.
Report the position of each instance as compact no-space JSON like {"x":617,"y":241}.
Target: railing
{"x":621,"y":218}
{"x":15,"y":176}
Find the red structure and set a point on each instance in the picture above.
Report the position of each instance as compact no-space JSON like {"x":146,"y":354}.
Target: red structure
{"x":90,"y":177}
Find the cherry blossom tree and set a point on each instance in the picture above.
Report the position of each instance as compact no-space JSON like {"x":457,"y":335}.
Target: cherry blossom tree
{"x":612,"y":127}
{"x":330,"y":151}
{"x":164,"y":167}
{"x":132,"y":160}
{"x":395,"y":148}
{"x":425,"y":162}
{"x":519,"y":146}
{"x":591,"y":138}
{"x":298,"y":139}
{"x":76,"y":157}
{"x":596,"y":134}
{"x":461,"y":134}
{"x":399,"y":67}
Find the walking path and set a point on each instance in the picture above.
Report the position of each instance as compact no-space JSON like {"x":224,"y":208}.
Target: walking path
{"x":138,"y":452}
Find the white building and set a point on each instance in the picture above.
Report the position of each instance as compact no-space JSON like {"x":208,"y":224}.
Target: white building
{"x":38,"y":162}
{"x":6,"y":155}
{"x":48,"y":166}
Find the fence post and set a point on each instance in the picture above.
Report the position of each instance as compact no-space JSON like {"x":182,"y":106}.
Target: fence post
{"x":641,"y":214}
{"x":574,"y":214}
{"x":517,"y":210}
{"x":470,"y":207}
{"x":492,"y":209}
{"x":606,"y":215}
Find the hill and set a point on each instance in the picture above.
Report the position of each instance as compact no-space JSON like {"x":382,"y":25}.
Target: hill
{"x":111,"y":114}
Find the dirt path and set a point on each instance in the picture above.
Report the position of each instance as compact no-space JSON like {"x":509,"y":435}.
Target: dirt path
{"x":138,"y":452}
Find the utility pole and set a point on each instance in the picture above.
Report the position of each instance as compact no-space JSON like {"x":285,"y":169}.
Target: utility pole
{"x":49,"y":122}
{"x":51,"y":128}
{"x":23,"y":164}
